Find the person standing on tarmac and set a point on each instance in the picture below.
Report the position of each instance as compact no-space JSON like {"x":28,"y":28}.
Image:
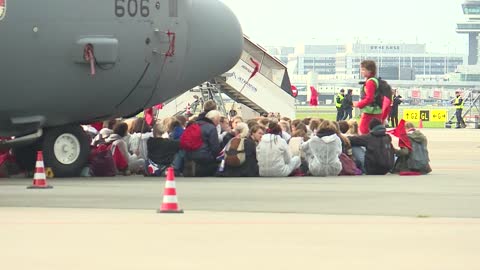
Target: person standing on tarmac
{"x":348,"y":105}
{"x":396,"y":101}
{"x":339,"y":104}
{"x":371,"y":101}
{"x":458,"y":102}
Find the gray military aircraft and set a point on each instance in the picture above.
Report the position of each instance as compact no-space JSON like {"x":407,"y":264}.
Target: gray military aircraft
{"x":68,"y":62}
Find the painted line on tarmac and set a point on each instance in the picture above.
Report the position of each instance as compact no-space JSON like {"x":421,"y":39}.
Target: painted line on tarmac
{"x":455,"y":169}
{"x":420,"y":221}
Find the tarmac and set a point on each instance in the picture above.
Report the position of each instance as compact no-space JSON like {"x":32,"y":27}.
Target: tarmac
{"x":367,"y":222}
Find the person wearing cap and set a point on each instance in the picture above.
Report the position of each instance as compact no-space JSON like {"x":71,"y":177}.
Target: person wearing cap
{"x":347,"y":105}
{"x":458,"y":102}
{"x":338,"y":104}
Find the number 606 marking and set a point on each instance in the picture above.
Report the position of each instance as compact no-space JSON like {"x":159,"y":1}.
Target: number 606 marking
{"x":132,"y":7}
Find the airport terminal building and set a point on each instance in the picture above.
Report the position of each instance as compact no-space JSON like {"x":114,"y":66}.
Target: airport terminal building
{"x":395,"y":61}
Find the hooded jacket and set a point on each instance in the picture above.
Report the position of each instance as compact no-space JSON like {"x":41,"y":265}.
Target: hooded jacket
{"x":401,"y":164}
{"x":322,"y":154}
{"x":416,"y":136}
{"x":135,"y":164}
{"x":162,"y":151}
{"x":347,"y":102}
{"x":369,"y":141}
{"x":274,"y":156}
{"x":117,"y":141}
{"x":250,"y":167}
{"x":138,"y":142}
{"x":211,"y":145}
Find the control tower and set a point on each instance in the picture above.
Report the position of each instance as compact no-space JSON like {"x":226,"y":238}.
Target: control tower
{"x":471,"y":10}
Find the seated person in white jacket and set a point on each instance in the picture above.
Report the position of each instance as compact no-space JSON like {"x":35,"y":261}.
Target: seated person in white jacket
{"x":323,"y":151}
{"x":273,"y":154}
{"x":140,"y":133}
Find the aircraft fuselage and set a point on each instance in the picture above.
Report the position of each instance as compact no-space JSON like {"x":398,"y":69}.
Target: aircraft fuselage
{"x":146,"y":52}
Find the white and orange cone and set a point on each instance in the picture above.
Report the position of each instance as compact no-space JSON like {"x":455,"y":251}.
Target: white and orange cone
{"x":170,"y":202}
{"x":39,"y":178}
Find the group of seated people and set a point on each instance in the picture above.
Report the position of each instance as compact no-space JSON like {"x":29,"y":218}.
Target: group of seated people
{"x":213,"y":145}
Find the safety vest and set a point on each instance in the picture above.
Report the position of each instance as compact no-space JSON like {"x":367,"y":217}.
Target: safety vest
{"x":373,"y":108}
{"x":339,"y":104}
{"x":460,"y":106}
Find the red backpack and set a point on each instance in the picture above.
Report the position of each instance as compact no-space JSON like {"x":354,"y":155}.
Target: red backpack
{"x":191,"y":139}
{"x":121,"y":161}
{"x":101,"y":161}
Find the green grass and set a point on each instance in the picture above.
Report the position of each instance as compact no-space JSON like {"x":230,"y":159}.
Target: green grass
{"x":327,"y":116}
{"x":324,"y":112}
{"x":431,"y":124}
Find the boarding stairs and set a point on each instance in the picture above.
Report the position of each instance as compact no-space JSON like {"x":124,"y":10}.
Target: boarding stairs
{"x":269,"y":91}
{"x":471,"y":111}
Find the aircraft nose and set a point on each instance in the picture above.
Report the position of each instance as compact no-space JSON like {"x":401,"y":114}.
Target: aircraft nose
{"x":215,"y":40}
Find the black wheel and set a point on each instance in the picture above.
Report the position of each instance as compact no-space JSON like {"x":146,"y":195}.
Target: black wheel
{"x":66,"y":150}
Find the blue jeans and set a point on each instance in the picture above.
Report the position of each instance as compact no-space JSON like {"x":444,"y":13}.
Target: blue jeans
{"x":178,"y":161}
{"x":358,"y":153}
{"x":339,"y":114}
{"x":348,"y":114}
{"x":460,"y":122}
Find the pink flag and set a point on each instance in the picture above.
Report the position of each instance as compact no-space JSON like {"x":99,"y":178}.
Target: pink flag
{"x":256,"y":69}
{"x":294,"y":91}
{"x":314,"y":97}
{"x":401,"y":134}
{"x":149,"y":116}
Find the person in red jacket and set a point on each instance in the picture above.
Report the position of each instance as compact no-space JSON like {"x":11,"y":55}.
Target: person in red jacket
{"x":371,"y":101}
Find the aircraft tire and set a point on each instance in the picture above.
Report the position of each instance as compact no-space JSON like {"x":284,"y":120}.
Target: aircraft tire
{"x":66,"y":150}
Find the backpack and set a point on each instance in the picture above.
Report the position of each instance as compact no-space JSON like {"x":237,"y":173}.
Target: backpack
{"x":121,"y":162}
{"x":235,"y":152}
{"x":418,"y":158}
{"x":191,"y":139}
{"x":383,"y":90}
{"x":101,"y":161}
{"x":348,"y":165}
{"x":383,"y":152}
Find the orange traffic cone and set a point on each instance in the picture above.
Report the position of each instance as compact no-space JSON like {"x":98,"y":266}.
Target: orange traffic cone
{"x":420,"y":124}
{"x":170,"y":202}
{"x":39,"y":178}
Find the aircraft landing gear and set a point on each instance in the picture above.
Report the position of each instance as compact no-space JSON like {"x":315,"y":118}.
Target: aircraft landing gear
{"x":66,"y":150}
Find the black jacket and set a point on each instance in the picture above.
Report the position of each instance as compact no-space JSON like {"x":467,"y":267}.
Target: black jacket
{"x":373,"y":142}
{"x":395,"y":103}
{"x":162,"y":151}
{"x":227,"y":138}
{"x":347,"y":102}
{"x":250,"y":167}
{"x":211,"y":144}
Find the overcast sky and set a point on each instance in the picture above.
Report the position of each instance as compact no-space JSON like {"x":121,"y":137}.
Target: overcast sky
{"x":290,"y":22}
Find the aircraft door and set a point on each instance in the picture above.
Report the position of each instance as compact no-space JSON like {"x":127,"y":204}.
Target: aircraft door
{"x":161,"y":45}
{"x":158,"y":39}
